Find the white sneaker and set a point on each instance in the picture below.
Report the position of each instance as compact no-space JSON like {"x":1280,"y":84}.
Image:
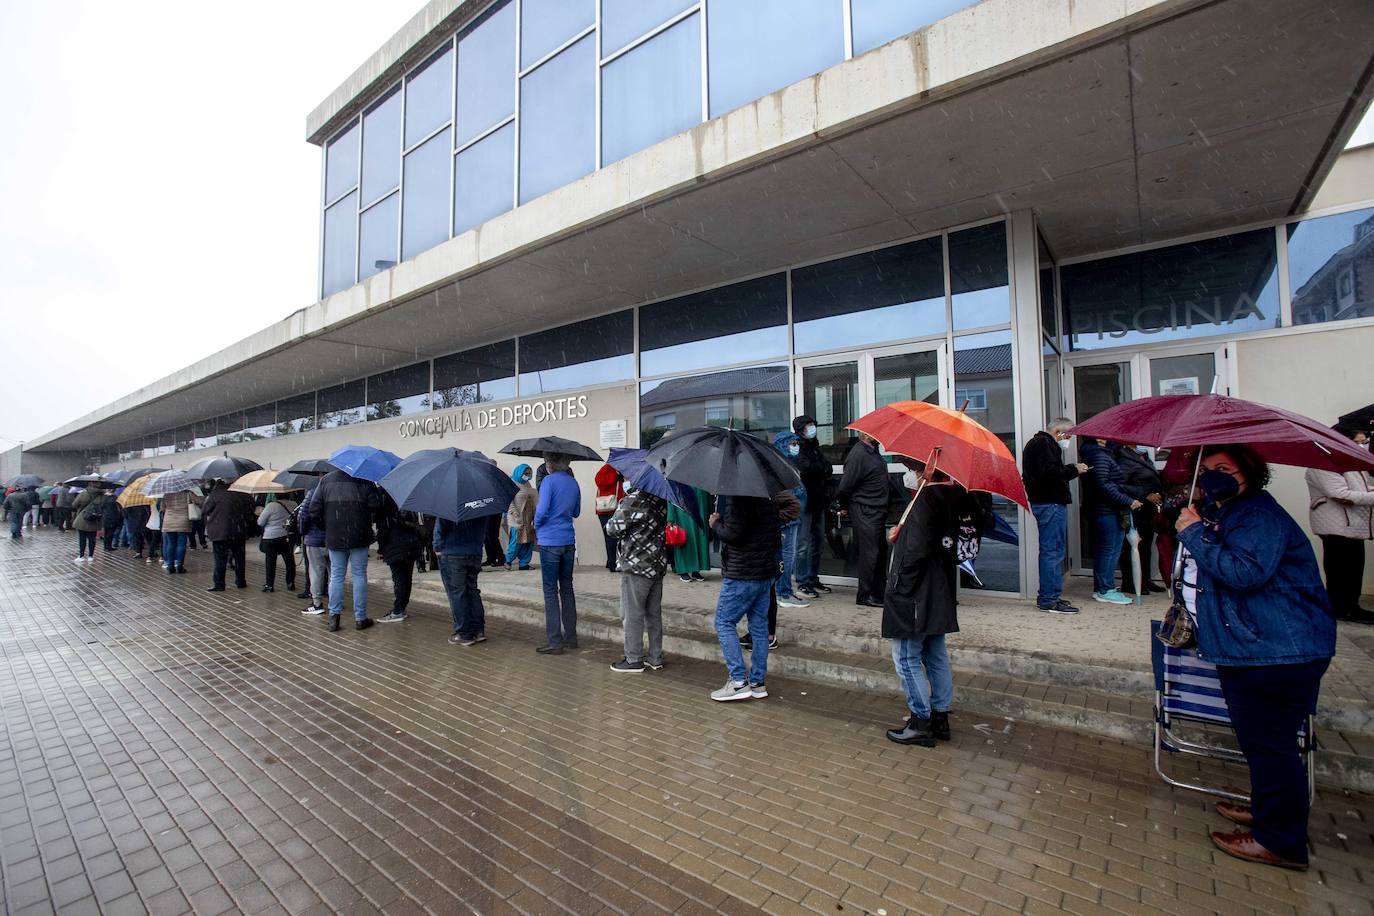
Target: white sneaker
{"x":313,"y":611}
{"x":79,"y":560}
{"x":733,"y":690}
{"x":758,"y":691}
{"x":1113,"y":596}
{"x":792,"y":602}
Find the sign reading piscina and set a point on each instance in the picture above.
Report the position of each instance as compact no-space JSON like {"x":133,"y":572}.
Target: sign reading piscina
{"x":477,"y":417}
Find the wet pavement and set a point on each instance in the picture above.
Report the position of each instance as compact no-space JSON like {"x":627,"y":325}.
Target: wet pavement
{"x":167,"y":750}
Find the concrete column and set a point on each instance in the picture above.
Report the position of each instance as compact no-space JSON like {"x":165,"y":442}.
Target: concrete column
{"x":1027,"y":364}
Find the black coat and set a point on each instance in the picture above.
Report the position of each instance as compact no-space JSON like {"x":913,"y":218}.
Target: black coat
{"x":111,"y":515}
{"x":921,"y":598}
{"x":228,"y":515}
{"x":865,"y":481}
{"x":344,"y":507}
{"x":814,"y":468}
{"x":1139,"y":477}
{"x":1045,"y":472}
{"x":750,"y":535}
{"x":137,"y":516}
{"x":398,"y":538}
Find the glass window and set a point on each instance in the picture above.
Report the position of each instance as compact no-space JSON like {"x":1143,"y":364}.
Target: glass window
{"x":1194,"y":373}
{"x":229,"y":429}
{"x":591,"y":352}
{"x":906,"y":377}
{"x":260,"y":422}
{"x":484,"y":180}
{"x":876,"y":22}
{"x":342,"y":405}
{"x":755,"y":399}
{"x":1216,"y":286}
{"x":557,"y":121}
{"x":983,"y":376}
{"x":341,"y":164}
{"x":382,"y":147}
{"x":732,"y":324}
{"x":978,"y":276}
{"x":546,"y":24}
{"x":377,"y":237}
{"x":651,"y":92}
{"x":764,"y":45}
{"x":182,"y":440}
{"x":296,"y":414}
{"x":830,"y":394}
{"x":204,"y":434}
{"x":475,"y":376}
{"x":165,"y":443}
{"x":486,"y":74}
{"x":425,"y":212}
{"x":890,"y":294}
{"x":622,"y":21}
{"x":1049,"y":310}
{"x":398,"y":392}
{"x":1331,"y":267}
{"x":340,"y":241}
{"x":429,"y":97}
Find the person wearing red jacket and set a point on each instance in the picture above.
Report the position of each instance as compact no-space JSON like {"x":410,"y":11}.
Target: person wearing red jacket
{"x":610,"y":490}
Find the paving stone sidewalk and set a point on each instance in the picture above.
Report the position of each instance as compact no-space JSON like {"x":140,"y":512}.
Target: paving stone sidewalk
{"x":167,"y":750}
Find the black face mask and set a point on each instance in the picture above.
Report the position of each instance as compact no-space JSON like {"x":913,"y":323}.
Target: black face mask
{"x":1218,"y":486}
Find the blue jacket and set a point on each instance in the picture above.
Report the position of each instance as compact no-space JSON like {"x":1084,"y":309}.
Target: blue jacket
{"x":1260,"y":598}
{"x":560,"y":501}
{"x":1105,"y":491}
{"x":781,"y":442}
{"x":457,"y":538}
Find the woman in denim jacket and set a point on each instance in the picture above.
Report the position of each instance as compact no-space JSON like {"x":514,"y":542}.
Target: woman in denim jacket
{"x":1264,"y":620}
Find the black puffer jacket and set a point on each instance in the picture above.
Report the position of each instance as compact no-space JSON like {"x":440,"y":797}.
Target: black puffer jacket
{"x":228,"y":515}
{"x":344,"y":507}
{"x":814,"y":468}
{"x":1045,"y":472}
{"x":1104,"y":492}
{"x":1138,"y":473}
{"x":750,"y":535}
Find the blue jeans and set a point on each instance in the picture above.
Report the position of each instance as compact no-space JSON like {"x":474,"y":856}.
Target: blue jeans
{"x":174,"y":549}
{"x":459,"y":572}
{"x":560,"y":605}
{"x":744,"y":598}
{"x":516,"y":549}
{"x":931,"y":688}
{"x":16,"y":523}
{"x":1052,"y":521}
{"x":1108,"y":537}
{"x":787,"y":558}
{"x":810,"y":541}
{"x":357,"y":559}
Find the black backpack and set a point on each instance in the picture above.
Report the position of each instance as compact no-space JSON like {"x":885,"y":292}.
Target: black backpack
{"x":95,"y":510}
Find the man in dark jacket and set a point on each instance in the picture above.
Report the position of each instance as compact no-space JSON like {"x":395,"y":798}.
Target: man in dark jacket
{"x":750,"y":535}
{"x":344,"y":507}
{"x":228,"y":522}
{"x":459,"y":546}
{"x":816,"y":474}
{"x":863,"y":494}
{"x":398,"y":544}
{"x":1105,"y":500}
{"x":1046,"y":475}
{"x":1142,"y":482}
{"x":136,"y":518}
{"x":111,"y":522}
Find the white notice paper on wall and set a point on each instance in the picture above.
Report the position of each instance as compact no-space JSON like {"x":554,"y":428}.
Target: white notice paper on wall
{"x":613,"y":434}
{"x":1179,"y":385}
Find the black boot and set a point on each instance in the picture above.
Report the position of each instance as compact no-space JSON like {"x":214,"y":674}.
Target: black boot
{"x":939,"y":725}
{"x":916,"y":731}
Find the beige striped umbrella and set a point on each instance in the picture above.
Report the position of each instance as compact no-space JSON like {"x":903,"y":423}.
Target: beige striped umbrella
{"x":258,"y":482}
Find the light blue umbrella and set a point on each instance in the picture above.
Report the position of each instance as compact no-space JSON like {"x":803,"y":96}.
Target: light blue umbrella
{"x":364,"y":461}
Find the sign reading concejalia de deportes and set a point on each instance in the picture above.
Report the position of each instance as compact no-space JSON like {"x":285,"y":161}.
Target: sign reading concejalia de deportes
{"x":496,"y":417}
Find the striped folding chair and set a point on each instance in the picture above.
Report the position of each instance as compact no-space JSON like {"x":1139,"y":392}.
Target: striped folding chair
{"x":1187,"y":690}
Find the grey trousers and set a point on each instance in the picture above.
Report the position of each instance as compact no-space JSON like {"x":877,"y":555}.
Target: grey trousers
{"x":318,"y":558}
{"x":641,"y":608}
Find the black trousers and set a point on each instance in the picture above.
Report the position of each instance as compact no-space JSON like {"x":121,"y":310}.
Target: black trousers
{"x":85,"y":543}
{"x":402,"y":576}
{"x":224,"y":550}
{"x":197,"y":532}
{"x":272,"y":548}
{"x":1343,"y":563}
{"x":109,"y":534}
{"x":611,"y":543}
{"x":870,"y":537}
{"x":496,"y":554}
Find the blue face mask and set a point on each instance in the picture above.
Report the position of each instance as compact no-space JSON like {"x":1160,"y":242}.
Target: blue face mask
{"x":809,"y":432}
{"x":1218,"y":486}
{"x":794,"y":450}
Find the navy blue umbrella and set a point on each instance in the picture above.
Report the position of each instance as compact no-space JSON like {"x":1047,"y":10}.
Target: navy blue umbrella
{"x":450,"y":483}
{"x":642,"y":475}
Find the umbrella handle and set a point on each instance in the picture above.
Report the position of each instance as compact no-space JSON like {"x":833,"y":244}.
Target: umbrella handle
{"x":1178,"y":553}
{"x":930,"y":465}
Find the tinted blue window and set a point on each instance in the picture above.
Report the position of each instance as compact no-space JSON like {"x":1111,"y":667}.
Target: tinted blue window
{"x":546,"y":24}
{"x":732,"y":324}
{"x":484,"y":180}
{"x":486,"y":74}
{"x":978,"y":276}
{"x":377,"y":236}
{"x":591,"y":352}
{"x":758,"y":46}
{"x":651,"y":92}
{"x":876,"y":22}
{"x":398,"y":392}
{"x":341,"y":405}
{"x":294,"y":415}
{"x":429,"y":97}
{"x":340,"y":241}
{"x":1329,"y":267}
{"x":557,"y":121}
{"x":425,"y":219}
{"x":622,"y":21}
{"x":382,"y":148}
{"x":341,"y":164}
{"x":474,"y":376}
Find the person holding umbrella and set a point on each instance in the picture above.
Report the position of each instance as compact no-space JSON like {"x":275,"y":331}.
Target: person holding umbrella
{"x":638,"y":524}
{"x":229,"y":520}
{"x":62,"y":508}
{"x":176,"y":527}
{"x":863,"y":495}
{"x":275,"y":522}
{"x":111,"y":522}
{"x":520,"y":519}
{"x":1342,"y":515}
{"x":560,"y":502}
{"x":750,"y":535}
{"x":398,"y":544}
{"x":343,"y":506}
{"x":87,"y":511}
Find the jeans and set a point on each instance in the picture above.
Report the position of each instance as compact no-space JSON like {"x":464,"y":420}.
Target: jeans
{"x":318,"y":560}
{"x":16,"y":523}
{"x":1108,"y":537}
{"x":1052,"y":521}
{"x":741,"y":598}
{"x":339,"y":562}
{"x":279,"y":547}
{"x":459,"y":574}
{"x":641,"y":613}
{"x":931,"y":688}
{"x":174,"y":549}
{"x":810,"y":542}
{"x":85,"y":543}
{"x":402,"y":581}
{"x":516,"y":550}
{"x":236,"y":550}
{"x":1267,"y":704}
{"x":560,"y":605}
{"x":787,"y":558}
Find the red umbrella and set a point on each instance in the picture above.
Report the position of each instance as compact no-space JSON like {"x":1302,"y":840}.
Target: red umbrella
{"x":1180,"y":420}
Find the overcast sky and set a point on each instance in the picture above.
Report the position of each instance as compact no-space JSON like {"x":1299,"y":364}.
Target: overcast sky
{"x":158,"y":199}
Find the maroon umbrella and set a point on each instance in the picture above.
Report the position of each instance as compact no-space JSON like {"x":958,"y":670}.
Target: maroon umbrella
{"x":1180,"y":420}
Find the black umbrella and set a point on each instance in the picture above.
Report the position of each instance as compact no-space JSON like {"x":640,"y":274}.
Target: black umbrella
{"x":317,"y":466}
{"x":128,"y":476}
{"x":24,"y":480}
{"x":1360,"y":419}
{"x":296,"y":480}
{"x":450,"y":483}
{"x":550,"y":445}
{"x":223,"y":467}
{"x":724,"y":462}
{"x":89,"y":480}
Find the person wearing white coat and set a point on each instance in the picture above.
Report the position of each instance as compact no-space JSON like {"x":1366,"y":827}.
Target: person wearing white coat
{"x":1341,"y":513}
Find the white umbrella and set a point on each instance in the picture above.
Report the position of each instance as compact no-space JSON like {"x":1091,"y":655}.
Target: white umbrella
{"x":1133,"y":545}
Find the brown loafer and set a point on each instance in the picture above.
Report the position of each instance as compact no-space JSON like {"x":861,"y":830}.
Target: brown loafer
{"x":1243,"y":845}
{"x":1236,"y":813}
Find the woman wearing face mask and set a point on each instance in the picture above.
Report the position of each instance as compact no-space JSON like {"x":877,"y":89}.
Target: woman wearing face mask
{"x":520,"y":519}
{"x":1264,"y":620}
{"x":1342,"y":515}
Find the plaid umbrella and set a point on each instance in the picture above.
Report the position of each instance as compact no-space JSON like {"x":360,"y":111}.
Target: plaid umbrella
{"x":168,"y":482}
{"x":133,"y":494}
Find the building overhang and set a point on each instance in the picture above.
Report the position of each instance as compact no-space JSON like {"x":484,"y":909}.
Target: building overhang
{"x":1119,"y":123}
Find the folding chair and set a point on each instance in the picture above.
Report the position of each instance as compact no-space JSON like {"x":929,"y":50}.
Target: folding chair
{"x":1188,"y":690}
